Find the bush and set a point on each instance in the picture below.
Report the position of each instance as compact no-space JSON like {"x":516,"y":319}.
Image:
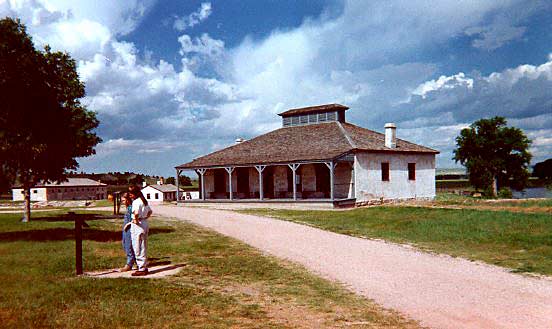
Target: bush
{"x":505,"y":193}
{"x":488,"y":193}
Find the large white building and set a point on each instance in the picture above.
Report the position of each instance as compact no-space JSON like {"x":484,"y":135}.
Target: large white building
{"x":317,"y":157}
{"x":72,"y":189}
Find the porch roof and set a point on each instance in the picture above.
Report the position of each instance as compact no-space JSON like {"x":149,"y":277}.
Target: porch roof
{"x":316,"y":142}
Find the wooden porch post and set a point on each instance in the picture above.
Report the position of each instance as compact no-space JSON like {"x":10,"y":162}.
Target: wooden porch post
{"x":331,"y":166}
{"x":201,"y":172}
{"x":178,"y":171}
{"x":354,"y":177}
{"x":229,"y":170}
{"x":260,"y":170}
{"x":294,"y":167}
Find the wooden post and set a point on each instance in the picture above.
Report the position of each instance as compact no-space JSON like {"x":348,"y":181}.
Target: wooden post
{"x":331,"y":166}
{"x":78,"y":242}
{"x":229,"y":170}
{"x":294,"y":167}
{"x":114,"y":203}
{"x":177,"y":186}
{"x":353,"y":179}
{"x":260,"y":170}
{"x":201,"y":172}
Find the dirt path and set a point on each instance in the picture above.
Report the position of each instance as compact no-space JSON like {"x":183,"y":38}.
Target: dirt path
{"x":437,"y":290}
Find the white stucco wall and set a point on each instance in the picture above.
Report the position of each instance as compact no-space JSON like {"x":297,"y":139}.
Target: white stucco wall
{"x":62,"y":193}
{"x":369,"y":185}
{"x":149,"y":193}
{"x":37,"y":194}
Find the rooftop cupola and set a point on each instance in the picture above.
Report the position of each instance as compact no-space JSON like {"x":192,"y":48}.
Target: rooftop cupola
{"x":313,"y":114}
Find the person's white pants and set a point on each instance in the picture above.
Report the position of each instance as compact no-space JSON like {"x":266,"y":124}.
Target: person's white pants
{"x":139,"y":236}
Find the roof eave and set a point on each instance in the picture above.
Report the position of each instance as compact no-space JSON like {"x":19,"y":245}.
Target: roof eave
{"x":281,"y":163}
{"x":398,"y":151}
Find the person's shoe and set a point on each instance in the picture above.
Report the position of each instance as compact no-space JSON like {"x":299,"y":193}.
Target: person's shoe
{"x":140,"y":273}
{"x":125,"y":268}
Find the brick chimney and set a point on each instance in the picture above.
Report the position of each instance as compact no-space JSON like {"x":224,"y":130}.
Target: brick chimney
{"x":390,"y":135}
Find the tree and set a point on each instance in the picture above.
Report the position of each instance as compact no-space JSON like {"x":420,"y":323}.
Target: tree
{"x":494,"y":155}
{"x":182,"y":180}
{"x":43,"y":125}
{"x":543,"y":170}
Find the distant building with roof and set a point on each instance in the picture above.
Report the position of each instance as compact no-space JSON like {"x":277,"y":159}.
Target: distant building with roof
{"x":317,"y":156}
{"x":72,"y":189}
{"x":160,"y":192}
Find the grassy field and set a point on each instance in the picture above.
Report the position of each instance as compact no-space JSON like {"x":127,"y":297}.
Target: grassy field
{"x":520,"y":241}
{"x":224,"y":283}
{"x":448,"y":199}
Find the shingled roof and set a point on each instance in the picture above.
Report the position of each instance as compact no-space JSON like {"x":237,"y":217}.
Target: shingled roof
{"x":323,"y":141}
{"x":164,"y":187}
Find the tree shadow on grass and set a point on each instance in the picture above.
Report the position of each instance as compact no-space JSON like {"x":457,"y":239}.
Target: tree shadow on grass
{"x":61,"y":234}
{"x":72,"y":217}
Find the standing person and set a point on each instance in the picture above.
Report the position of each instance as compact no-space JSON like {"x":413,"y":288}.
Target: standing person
{"x":127,"y":239}
{"x":139,"y":229}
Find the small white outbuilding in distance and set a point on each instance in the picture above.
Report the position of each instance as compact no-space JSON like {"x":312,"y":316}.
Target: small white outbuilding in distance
{"x":160,"y":192}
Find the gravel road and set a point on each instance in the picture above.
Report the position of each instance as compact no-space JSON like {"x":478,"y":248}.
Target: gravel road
{"x":437,"y":290}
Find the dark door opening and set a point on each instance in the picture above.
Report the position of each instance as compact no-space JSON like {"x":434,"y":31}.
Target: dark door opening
{"x":322,"y":181}
{"x":289,"y":180}
{"x":242,"y":175}
{"x":268,"y":182}
{"x":220,"y":183}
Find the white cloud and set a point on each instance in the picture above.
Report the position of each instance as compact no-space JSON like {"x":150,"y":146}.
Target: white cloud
{"x":444,"y":82}
{"x":204,"y":45}
{"x":494,"y":36}
{"x":112,"y":146}
{"x":83,"y":28}
{"x":517,"y":93}
{"x":182,"y":23}
{"x":362,"y":58}
{"x":521,"y":94}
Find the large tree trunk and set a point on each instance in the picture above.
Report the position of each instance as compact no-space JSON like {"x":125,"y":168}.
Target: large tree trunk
{"x":495,"y":186}
{"x":27,"y":214}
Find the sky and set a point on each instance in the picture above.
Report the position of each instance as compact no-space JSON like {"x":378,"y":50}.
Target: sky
{"x":174,"y":80}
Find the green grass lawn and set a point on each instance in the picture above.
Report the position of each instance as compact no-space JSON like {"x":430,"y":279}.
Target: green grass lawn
{"x":224,"y":283}
{"x":520,"y":241}
{"x":455,"y":199}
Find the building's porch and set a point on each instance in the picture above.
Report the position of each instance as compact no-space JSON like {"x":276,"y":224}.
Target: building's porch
{"x":320,"y":181}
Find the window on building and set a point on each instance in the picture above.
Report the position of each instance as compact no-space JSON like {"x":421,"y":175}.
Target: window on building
{"x":35,"y":191}
{"x":385,"y":171}
{"x":411,"y":171}
{"x":148,"y":196}
{"x":156,"y":196}
{"x":287,"y":121}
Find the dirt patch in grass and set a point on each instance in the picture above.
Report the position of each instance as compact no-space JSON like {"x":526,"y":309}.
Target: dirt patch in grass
{"x":292,"y":313}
